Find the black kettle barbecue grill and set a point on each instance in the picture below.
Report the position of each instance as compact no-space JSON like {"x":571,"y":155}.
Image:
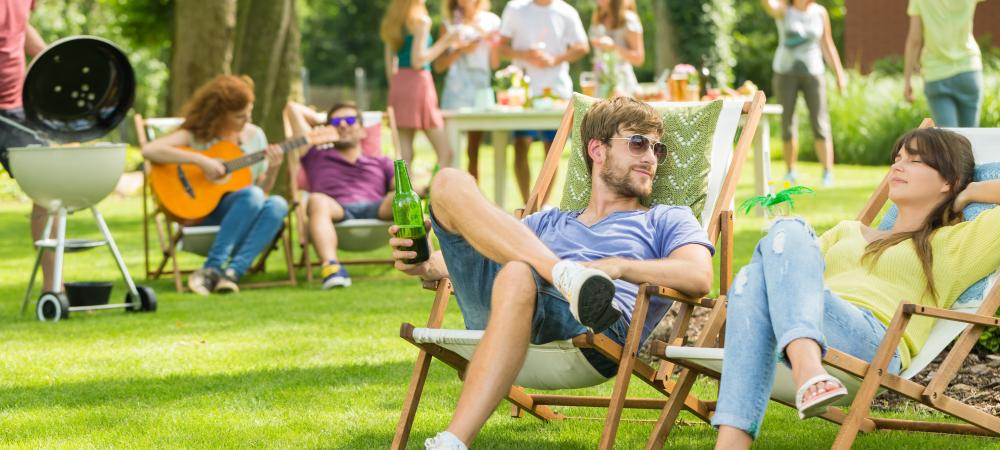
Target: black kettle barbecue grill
{"x":77,"y":90}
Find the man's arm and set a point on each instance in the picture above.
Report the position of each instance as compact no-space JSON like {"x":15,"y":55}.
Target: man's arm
{"x":33,"y":42}
{"x":911,"y":65}
{"x":688,"y":269}
{"x":573,"y":53}
{"x":301,"y":120}
{"x":430,"y":270}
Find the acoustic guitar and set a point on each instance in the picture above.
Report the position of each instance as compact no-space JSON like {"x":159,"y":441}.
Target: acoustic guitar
{"x":188,"y":196}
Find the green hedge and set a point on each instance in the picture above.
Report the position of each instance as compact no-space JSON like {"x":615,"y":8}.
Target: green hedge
{"x":868,"y":118}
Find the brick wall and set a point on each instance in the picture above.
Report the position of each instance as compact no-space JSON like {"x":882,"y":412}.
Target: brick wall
{"x":875,"y":29}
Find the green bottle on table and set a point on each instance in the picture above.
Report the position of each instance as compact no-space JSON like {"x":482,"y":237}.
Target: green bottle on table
{"x":409,"y":216}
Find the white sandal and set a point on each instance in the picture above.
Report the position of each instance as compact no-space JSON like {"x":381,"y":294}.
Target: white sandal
{"x":818,"y":404}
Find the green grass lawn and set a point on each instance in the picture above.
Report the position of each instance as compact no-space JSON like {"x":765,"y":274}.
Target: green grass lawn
{"x":300,"y":367}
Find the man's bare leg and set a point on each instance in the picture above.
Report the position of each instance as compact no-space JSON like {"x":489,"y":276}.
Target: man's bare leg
{"x":461,"y":209}
{"x":385,"y":208}
{"x":38,"y":217}
{"x":475,"y":137}
{"x":323,"y":211}
{"x":500,"y":353}
{"x":522,"y":171}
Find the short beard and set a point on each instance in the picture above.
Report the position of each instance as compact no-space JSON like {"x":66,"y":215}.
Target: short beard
{"x":620,"y":185}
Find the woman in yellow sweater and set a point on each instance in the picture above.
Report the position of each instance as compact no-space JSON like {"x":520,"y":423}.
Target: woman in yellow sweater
{"x":800,"y":294}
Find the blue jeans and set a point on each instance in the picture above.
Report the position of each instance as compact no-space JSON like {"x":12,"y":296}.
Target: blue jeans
{"x":776,"y":298}
{"x":361,"y":210}
{"x":472,"y":276}
{"x":248,"y":223}
{"x":955,"y":101}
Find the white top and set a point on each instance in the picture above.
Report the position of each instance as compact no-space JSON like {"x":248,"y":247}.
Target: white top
{"x":553,"y":29}
{"x":627,"y":82}
{"x":479,"y":59}
{"x":799,"y":34}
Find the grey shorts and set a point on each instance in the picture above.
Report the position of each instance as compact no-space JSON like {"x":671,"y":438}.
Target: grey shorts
{"x":786,"y":87}
{"x":361,"y":210}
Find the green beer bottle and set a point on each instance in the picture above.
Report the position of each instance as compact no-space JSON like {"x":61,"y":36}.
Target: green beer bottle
{"x":409,"y":216}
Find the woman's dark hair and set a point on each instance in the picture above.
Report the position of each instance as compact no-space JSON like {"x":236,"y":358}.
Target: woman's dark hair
{"x":950,"y":154}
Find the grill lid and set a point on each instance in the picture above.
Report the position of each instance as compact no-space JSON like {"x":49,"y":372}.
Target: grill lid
{"x":78,"y":89}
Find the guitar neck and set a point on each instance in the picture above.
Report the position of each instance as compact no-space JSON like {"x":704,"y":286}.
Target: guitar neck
{"x":253,"y":158}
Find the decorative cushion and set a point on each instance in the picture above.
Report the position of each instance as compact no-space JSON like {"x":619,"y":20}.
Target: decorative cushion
{"x":682,"y":179}
{"x":984,"y":172}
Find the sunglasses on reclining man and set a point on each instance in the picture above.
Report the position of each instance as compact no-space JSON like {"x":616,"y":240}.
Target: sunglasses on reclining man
{"x":639,"y":145}
{"x":337,"y":121}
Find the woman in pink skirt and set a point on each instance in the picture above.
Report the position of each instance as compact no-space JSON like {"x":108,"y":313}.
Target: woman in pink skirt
{"x":408,"y":54}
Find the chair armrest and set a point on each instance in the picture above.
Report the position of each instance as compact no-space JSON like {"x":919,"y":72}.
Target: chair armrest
{"x":941,"y":313}
{"x":658,"y":348}
{"x":675,"y":295}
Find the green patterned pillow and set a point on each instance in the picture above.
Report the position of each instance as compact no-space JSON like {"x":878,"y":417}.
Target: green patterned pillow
{"x":682,"y":179}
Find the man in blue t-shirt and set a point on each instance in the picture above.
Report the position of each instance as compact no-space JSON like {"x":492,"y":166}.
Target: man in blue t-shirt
{"x":555,"y":273}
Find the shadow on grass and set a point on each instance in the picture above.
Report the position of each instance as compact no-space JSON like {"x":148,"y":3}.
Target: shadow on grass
{"x":156,"y":391}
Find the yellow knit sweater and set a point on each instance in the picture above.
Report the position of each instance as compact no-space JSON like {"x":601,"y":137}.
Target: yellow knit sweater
{"x":962,"y":254}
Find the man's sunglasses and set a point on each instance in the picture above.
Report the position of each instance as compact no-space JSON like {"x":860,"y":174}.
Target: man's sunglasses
{"x":337,"y":121}
{"x":639,"y":145}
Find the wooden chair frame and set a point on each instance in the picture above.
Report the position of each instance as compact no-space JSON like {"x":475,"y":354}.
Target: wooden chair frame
{"x":169,"y":234}
{"x":302,"y":215}
{"x":874,"y":375}
{"x":720,"y":230}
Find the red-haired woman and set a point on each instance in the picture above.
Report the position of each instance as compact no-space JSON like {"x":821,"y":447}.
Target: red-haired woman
{"x":248,"y":219}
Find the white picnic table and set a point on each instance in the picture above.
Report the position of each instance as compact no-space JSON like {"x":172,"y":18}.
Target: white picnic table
{"x":500,"y":122}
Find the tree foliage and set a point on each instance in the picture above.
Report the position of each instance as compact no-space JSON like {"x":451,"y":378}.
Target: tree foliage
{"x":704,"y":35}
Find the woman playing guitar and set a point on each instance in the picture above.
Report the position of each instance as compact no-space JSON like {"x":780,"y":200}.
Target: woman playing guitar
{"x":248,"y":219}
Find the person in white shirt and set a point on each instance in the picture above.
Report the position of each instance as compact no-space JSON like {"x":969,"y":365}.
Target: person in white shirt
{"x":543,"y":37}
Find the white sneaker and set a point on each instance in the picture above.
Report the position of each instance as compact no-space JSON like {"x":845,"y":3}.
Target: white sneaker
{"x":589,"y":292}
{"x":444,"y":441}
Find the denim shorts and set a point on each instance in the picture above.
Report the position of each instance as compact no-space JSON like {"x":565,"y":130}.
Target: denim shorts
{"x":546,"y":135}
{"x":472,"y":277}
{"x":361,"y":210}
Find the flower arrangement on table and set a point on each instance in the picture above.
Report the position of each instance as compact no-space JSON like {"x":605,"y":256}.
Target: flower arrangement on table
{"x":510,"y":85}
{"x":780,"y":203}
{"x":606,"y":69}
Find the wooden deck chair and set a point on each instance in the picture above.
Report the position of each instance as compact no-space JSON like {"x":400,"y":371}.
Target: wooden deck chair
{"x":966,"y":320}
{"x":560,"y":365}
{"x":172,"y":237}
{"x":355,"y":235}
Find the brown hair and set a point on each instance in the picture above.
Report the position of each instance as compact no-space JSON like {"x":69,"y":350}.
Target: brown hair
{"x":950,"y":154}
{"x":448,"y":7}
{"x":609,"y":116}
{"x":617,"y":14}
{"x":397,"y":16}
{"x":345,"y":105}
{"x":206,"y":114}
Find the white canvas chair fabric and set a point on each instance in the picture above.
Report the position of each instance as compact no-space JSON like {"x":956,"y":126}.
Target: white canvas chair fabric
{"x":559,"y":364}
{"x":986,"y":148}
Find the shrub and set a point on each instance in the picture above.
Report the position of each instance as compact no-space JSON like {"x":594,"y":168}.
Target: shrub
{"x":868,"y":118}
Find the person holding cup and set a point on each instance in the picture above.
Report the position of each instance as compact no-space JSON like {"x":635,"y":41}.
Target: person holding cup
{"x":543,"y":37}
{"x":616,"y":34}
{"x":470,"y":63}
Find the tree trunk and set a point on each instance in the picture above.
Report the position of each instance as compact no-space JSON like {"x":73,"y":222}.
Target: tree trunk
{"x":267,"y":49}
{"x":202,"y":46}
{"x":666,"y":40}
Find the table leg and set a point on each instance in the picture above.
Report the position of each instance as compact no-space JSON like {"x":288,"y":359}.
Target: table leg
{"x":762,"y":157}
{"x":500,"y":139}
